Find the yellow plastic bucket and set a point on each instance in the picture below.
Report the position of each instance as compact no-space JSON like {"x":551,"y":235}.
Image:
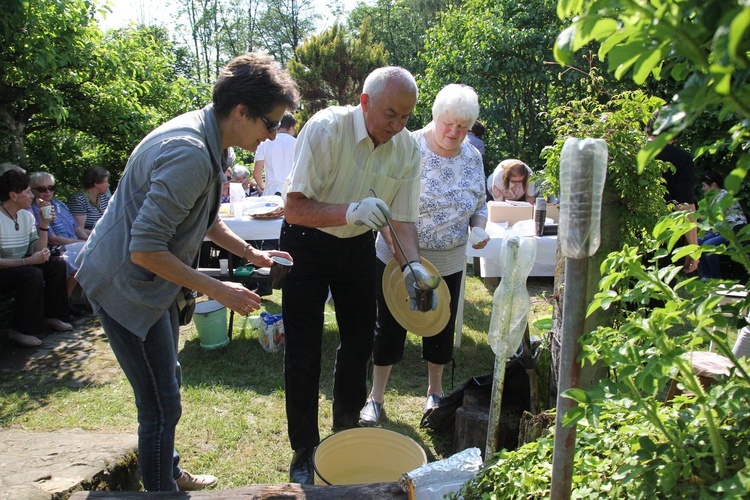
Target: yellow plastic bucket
{"x":366,"y":455}
{"x":210,"y":320}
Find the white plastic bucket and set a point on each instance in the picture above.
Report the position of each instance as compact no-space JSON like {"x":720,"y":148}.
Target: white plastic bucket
{"x":210,"y":320}
{"x":366,"y":455}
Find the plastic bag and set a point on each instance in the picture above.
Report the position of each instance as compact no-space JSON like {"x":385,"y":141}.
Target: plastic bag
{"x":511,"y":302}
{"x":271,"y":332}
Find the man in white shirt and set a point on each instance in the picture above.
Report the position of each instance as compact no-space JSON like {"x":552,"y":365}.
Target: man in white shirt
{"x":275,"y":157}
{"x":354,"y":169}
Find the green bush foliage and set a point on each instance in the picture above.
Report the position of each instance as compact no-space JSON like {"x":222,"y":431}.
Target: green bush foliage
{"x":630,"y":442}
{"x":621,"y":120}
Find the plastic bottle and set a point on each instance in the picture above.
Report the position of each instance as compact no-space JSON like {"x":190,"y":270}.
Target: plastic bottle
{"x":540,"y":215}
{"x":583,"y":169}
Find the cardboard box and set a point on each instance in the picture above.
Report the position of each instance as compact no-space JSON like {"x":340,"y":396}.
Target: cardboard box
{"x":501,"y":211}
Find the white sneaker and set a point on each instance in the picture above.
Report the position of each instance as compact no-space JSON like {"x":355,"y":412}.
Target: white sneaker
{"x":194,"y":482}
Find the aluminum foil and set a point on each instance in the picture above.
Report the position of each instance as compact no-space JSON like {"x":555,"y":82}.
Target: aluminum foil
{"x":458,"y":468}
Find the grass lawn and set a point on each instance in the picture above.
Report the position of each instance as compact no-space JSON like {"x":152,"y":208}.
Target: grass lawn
{"x":233,"y":423}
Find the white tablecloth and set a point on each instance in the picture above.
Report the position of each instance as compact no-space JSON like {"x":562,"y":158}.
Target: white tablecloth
{"x":489,"y":256}
{"x":250,"y":228}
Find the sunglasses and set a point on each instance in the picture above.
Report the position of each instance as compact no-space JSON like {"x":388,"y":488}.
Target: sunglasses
{"x":44,"y":189}
{"x":270,"y":125}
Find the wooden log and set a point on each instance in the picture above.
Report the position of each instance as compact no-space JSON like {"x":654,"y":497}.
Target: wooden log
{"x":532,"y":427}
{"x":471,"y":429}
{"x":377,"y":491}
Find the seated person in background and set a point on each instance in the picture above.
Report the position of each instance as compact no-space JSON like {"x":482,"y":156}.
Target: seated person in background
{"x":88,"y":205}
{"x":4,"y":167}
{"x":26,"y":266}
{"x":64,"y":231}
{"x":510,"y":182}
{"x":241,"y":174}
{"x":709,"y":265}
{"x":680,"y":182}
{"x":225,"y":198}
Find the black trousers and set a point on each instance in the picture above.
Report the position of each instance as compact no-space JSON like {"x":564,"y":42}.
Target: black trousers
{"x":346,"y":266}
{"x":40,"y":292}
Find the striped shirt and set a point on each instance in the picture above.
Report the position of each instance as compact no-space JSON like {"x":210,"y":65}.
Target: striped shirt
{"x":79,"y":204}
{"x":335,"y":161}
{"x":17,"y":244}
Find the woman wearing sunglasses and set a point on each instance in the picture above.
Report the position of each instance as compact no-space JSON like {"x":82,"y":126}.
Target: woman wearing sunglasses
{"x":64,"y":231}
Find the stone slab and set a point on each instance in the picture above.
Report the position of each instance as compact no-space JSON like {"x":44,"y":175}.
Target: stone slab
{"x":45,"y":465}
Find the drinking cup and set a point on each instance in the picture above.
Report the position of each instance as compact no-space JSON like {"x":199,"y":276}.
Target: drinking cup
{"x":279,"y":269}
{"x":47,"y":212}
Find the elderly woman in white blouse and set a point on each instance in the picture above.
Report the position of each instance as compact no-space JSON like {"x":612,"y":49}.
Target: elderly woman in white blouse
{"x":451,"y":202}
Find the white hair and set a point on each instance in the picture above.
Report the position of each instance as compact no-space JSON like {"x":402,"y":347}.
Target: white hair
{"x":458,"y":101}
{"x":4,"y":167}
{"x":37,"y":178}
{"x":376,"y":81}
{"x":240,"y":172}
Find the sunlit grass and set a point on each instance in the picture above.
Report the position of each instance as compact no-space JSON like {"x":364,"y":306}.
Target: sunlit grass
{"x":234,"y":422}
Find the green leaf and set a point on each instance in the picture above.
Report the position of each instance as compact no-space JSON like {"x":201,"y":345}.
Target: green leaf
{"x":563,"y":49}
{"x":646,"y":64}
{"x":577,"y":395}
{"x":733,"y":182}
{"x":573,"y":415}
{"x":737,"y":32}
{"x":592,"y":28}
{"x":650,"y":150}
{"x":569,"y":8}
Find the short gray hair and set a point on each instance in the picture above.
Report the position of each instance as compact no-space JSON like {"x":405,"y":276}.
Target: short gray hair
{"x":37,"y":178}
{"x":240,"y":172}
{"x":458,"y":101}
{"x":4,"y":167}
{"x":376,"y":81}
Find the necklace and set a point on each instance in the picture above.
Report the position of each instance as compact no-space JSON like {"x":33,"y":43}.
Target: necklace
{"x":14,"y":219}
{"x":94,"y":202}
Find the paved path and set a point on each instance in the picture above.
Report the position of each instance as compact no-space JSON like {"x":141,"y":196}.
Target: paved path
{"x":46,"y":465}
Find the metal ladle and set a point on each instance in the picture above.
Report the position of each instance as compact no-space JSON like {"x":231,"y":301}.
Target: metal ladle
{"x":423,"y":281}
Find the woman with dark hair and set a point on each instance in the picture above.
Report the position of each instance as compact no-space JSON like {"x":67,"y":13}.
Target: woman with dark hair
{"x":88,"y":205}
{"x":26,"y":267}
{"x":140,"y":254}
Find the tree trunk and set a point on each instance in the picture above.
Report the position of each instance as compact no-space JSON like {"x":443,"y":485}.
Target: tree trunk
{"x":13,"y":148}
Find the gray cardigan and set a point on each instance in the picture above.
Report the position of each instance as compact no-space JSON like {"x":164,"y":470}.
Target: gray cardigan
{"x":166,"y":200}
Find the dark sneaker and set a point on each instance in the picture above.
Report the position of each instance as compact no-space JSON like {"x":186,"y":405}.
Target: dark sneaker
{"x":371,"y":413}
{"x":301,"y":469}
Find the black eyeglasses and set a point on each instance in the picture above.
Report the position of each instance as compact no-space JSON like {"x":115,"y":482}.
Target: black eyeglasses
{"x":44,"y":189}
{"x":270,"y":125}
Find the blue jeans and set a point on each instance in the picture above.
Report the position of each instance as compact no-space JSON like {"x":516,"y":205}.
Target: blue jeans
{"x":710,"y":266}
{"x":153,"y":371}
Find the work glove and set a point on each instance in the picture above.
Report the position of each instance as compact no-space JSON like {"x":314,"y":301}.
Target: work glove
{"x":370,"y":212}
{"x":410,"y":282}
